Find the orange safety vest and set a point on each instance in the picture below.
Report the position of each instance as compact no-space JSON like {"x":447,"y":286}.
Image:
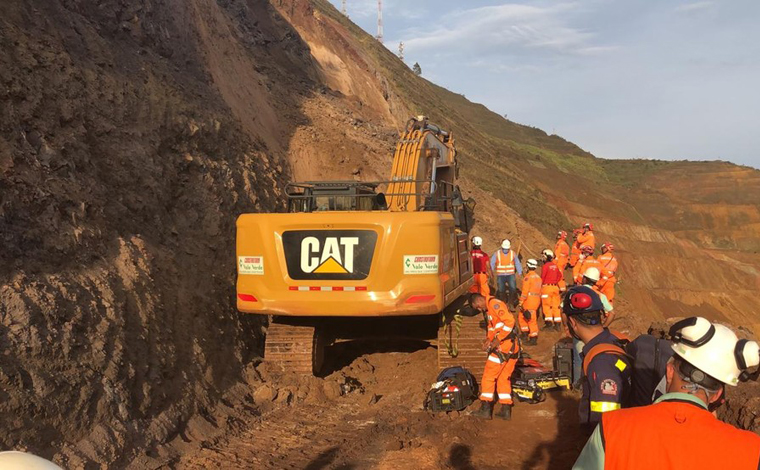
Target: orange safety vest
{"x":609,"y":265}
{"x":675,"y":434}
{"x":531,"y":291}
{"x":505,"y":264}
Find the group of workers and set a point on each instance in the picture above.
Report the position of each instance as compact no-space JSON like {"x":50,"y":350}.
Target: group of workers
{"x":706,"y":358}
{"x":543,"y":291}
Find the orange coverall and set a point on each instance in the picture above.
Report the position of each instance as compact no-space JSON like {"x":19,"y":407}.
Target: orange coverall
{"x":530,"y":300}
{"x":575,"y":254}
{"x":561,"y":253}
{"x":497,"y":376}
{"x":582,"y":266}
{"x":608,"y":268}
{"x":586,"y":239}
{"x":480,"y":267}
{"x":551,"y":283}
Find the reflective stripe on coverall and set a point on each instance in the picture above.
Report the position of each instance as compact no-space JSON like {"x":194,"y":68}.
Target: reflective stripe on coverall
{"x":497,"y":376}
{"x":608,"y":268}
{"x":551,"y":279}
{"x":530,"y":300}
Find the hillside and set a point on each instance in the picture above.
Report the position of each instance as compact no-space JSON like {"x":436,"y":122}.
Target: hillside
{"x":132,"y":134}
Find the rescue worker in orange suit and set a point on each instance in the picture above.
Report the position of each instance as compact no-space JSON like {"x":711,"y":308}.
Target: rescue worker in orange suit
{"x":607,"y":379}
{"x":608,"y":267}
{"x":505,"y":263}
{"x":503,"y":350}
{"x":481,"y":268}
{"x":551,"y":279}
{"x":586,"y":237}
{"x":575,"y":250}
{"x":586,"y":261}
{"x":678,"y":430}
{"x":561,"y":251}
{"x":530,"y":300}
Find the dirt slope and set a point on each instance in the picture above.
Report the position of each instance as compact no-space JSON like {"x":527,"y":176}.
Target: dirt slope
{"x":133,"y":132}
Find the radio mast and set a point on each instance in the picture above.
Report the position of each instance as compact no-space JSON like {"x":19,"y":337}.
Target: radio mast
{"x":380,"y":20}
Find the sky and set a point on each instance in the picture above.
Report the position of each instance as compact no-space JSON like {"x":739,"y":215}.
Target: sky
{"x":665,"y":79}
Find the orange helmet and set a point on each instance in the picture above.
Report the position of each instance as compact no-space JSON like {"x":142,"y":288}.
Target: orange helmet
{"x":608,"y":247}
{"x":561,"y":235}
{"x":587,"y":249}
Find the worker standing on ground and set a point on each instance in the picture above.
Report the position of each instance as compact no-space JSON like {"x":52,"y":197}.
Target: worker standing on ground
{"x":505,"y":263}
{"x":607,"y":370}
{"x":678,"y":430}
{"x":551,"y":278}
{"x":530,"y":300}
{"x":608,"y":267}
{"x":575,"y":249}
{"x":481,"y":268}
{"x":590,"y":279}
{"x":587,"y":261}
{"x":503,"y":351}
{"x":561,"y":250}
{"x":587,"y":237}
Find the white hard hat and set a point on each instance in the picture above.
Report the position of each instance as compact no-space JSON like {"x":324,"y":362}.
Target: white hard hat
{"x":532,"y":264}
{"x":592,"y":273}
{"x":477,"y":241}
{"x":14,"y":460}
{"x":506,"y":244}
{"x":548,"y":253}
{"x":714,"y":349}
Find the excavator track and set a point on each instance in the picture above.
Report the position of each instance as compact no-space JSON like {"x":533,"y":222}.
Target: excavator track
{"x":471,"y":356}
{"x":295,"y":348}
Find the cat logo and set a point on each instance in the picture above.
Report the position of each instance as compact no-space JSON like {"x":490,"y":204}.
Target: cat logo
{"x":337,"y":255}
{"x":329,"y":254}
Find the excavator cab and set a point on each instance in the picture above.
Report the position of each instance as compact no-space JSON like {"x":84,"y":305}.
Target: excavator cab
{"x":325,"y":196}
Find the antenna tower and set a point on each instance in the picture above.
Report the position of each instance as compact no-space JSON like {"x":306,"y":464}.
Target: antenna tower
{"x":401,"y":51}
{"x":343,"y":10}
{"x":380,"y":20}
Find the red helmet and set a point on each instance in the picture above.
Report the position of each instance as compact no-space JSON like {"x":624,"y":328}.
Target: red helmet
{"x":608,"y":247}
{"x":588,"y":249}
{"x":561,"y":235}
{"x":588,"y":225}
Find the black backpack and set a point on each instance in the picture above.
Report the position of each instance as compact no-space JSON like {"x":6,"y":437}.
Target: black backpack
{"x":455,"y":389}
{"x":650,"y":358}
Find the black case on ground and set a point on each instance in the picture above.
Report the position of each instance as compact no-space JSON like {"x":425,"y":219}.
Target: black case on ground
{"x":563,"y":359}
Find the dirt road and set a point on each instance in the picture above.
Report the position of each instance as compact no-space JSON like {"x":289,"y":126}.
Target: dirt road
{"x":378,"y":422}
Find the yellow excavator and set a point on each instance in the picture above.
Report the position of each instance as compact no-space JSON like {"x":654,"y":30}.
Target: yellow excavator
{"x":346,"y":249}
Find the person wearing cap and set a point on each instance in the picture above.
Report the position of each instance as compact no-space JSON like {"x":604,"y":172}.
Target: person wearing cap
{"x":607,"y":370}
{"x":480,"y":268}
{"x":530,"y":300}
{"x":552,"y":283}
{"x":505,"y":263}
{"x":608,"y":265}
{"x":679,"y":430}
